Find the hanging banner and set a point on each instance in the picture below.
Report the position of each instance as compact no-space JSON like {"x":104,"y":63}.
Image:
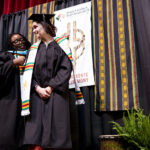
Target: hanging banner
{"x":116,"y":76}
{"x":76,"y":21}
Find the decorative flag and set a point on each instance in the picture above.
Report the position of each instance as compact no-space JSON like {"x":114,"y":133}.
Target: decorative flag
{"x":114,"y":56}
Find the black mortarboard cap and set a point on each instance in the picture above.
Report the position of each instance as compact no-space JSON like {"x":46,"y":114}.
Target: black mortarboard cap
{"x":41,"y":17}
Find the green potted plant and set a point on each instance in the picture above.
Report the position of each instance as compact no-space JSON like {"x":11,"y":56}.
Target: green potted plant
{"x":135,"y":131}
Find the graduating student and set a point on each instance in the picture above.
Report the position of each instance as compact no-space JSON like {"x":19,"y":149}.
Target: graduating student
{"x":48,"y":125}
{"x":11,"y":123}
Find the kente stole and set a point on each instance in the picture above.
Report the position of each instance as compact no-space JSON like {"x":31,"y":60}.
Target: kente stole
{"x":18,"y":54}
{"x":27,"y":77}
{"x":62,"y":41}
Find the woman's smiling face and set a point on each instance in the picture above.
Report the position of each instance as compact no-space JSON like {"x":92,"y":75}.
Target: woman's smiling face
{"x":18,"y":42}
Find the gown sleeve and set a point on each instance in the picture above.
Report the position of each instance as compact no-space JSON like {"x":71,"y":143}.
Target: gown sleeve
{"x":6,"y":68}
{"x":34,"y":83}
{"x":63,"y":72}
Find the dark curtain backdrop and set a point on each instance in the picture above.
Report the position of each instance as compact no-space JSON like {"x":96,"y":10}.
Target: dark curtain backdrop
{"x":9,"y":6}
{"x":13,"y":23}
{"x":87,"y":125}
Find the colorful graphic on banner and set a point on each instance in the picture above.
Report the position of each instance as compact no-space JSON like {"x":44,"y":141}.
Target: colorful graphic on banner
{"x":76,"y":21}
{"x":114,"y":56}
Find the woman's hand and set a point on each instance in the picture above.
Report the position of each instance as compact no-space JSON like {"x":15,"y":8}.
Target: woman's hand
{"x":44,"y":93}
{"x":18,"y":61}
{"x":49,"y":90}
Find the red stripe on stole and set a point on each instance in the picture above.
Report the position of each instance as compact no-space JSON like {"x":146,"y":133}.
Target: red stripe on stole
{"x":33,"y":47}
{"x":28,"y":66}
{"x":79,"y":95}
{"x":57,"y":40}
{"x":25,"y":105}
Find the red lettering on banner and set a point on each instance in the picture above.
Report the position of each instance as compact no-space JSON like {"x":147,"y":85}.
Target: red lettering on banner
{"x":82,"y":80}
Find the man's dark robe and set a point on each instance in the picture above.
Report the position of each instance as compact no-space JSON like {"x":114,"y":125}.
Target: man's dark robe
{"x":49,"y":122}
{"x":11,"y":123}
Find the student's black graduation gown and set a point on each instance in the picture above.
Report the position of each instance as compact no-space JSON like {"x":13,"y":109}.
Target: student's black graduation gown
{"x":11,"y":123}
{"x":49,"y":122}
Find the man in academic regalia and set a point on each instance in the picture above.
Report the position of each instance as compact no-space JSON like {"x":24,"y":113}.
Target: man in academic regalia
{"x":11,"y":123}
{"x":48,"y":125}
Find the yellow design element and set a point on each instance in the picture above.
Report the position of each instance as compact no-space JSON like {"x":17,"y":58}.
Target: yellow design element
{"x":121,"y":36}
{"x":102,"y":97}
{"x":124,"y":80}
{"x":29,"y":24}
{"x":120,"y":16}
{"x":124,"y":88}
{"x":102,"y":75}
{"x":124,"y":72}
{"x":124,"y":76}
{"x":102,"y":82}
{"x":122,"y":50}
{"x":102,"y":47}
{"x":101,"y":22}
{"x":102,"y":90}
{"x":101,"y":41}
{"x":119,"y":9}
{"x":100,"y":3}
{"x":102,"y":61}
{"x":125,"y":95}
{"x":101,"y":29}
{"x":101,"y":55}
{"x":102,"y":106}
{"x":51,"y":10}
{"x":121,"y":29}
{"x":44,"y":8}
{"x":25,"y":85}
{"x":102,"y":68}
{"x":119,"y":3}
{"x":125,"y":104}
{"x":121,"y":23}
{"x":121,"y":42}
{"x":123,"y":57}
{"x":101,"y":36}
{"x":123,"y":64}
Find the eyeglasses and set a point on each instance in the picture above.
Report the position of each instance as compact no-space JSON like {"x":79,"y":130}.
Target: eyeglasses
{"x":17,"y":41}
